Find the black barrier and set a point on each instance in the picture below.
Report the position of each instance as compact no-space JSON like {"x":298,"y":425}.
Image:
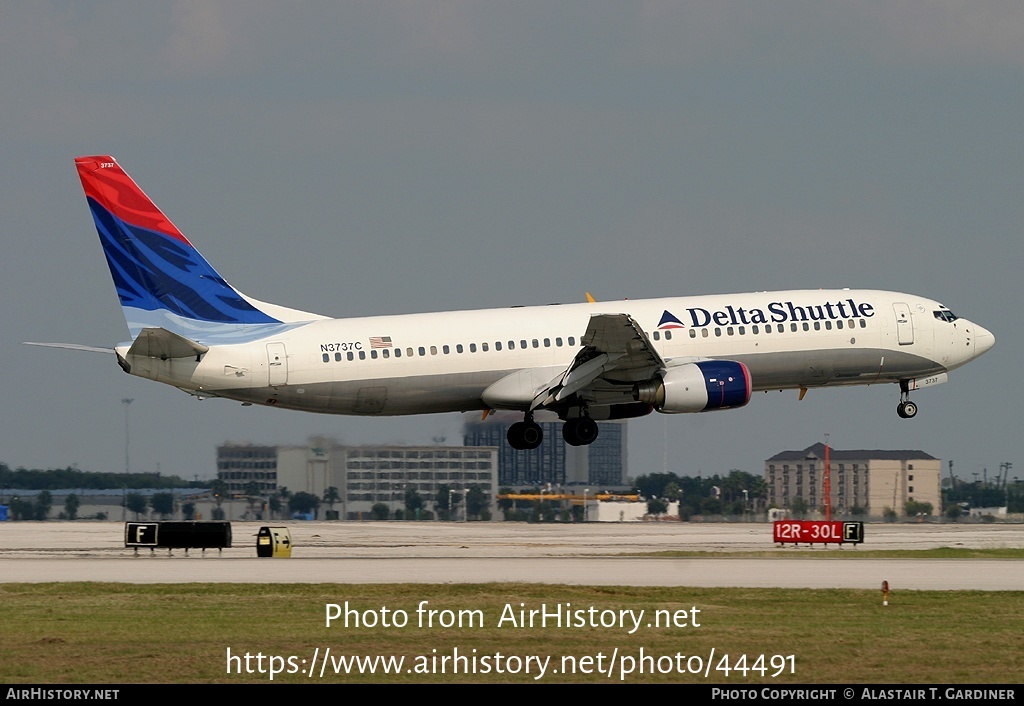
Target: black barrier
{"x":177,"y":535}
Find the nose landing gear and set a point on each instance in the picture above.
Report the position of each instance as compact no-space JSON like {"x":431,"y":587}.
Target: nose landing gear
{"x":906,"y":409}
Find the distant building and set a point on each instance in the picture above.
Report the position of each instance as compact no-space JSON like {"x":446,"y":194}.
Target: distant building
{"x":869,"y":480}
{"x":363,"y":475}
{"x":240,"y":464}
{"x":383,"y":474}
{"x":601,"y":464}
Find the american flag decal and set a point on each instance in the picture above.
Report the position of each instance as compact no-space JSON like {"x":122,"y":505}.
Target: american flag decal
{"x":380,"y":341}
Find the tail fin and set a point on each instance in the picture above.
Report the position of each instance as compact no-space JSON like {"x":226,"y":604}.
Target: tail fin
{"x":161,"y":279}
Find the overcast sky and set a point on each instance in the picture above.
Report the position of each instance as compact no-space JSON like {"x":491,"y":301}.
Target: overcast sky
{"x":391,"y":157}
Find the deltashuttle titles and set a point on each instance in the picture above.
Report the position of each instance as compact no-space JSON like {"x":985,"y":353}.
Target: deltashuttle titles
{"x":780,"y":313}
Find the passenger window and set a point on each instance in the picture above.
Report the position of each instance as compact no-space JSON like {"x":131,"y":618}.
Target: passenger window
{"x":704,"y":332}
{"x":817,"y":325}
{"x":536,"y":343}
{"x":362,"y":355}
{"x":657,"y":335}
{"x":755,"y":329}
{"x":433,"y":350}
{"x":693,"y":333}
{"x":511,"y":345}
{"x":828,"y":325}
{"x":398,"y":353}
{"x":497,"y":345}
{"x":386,"y":353}
{"x":472,"y":348}
{"x":668,"y":335}
{"x":350,"y":356}
{"x":572,"y":340}
{"x":422,"y":351}
{"x":558,"y":342}
{"x":547,"y":342}
{"x":863,"y":323}
{"x":839,"y":324}
{"x":807,"y":326}
{"x":768,"y":328}
{"x":718,"y":332}
{"x":458,"y":348}
{"x":446,"y":349}
{"x":728,"y":330}
{"x":327,"y":358}
{"x":373,"y":353}
{"x":409,"y":352}
{"x":522,"y":343}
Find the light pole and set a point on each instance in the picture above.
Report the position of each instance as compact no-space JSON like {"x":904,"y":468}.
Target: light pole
{"x":126,"y":401}
{"x":585,"y":491}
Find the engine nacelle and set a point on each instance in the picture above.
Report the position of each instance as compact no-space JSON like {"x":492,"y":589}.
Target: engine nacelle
{"x":697,"y":387}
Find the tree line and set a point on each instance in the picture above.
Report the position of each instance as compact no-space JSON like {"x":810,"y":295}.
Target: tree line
{"x":61,"y":478}
{"x":698,"y":495}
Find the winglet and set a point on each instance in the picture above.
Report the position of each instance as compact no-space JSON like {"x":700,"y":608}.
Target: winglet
{"x":590,"y":298}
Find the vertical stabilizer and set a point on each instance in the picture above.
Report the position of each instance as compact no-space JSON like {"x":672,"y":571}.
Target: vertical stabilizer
{"x":161,"y":279}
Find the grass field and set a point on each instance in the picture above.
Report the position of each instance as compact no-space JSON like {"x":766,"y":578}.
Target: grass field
{"x":71,"y":633}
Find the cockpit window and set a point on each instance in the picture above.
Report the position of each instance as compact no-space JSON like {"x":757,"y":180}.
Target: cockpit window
{"x":945,"y":315}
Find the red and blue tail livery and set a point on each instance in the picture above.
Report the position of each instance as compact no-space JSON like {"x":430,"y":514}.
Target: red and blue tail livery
{"x":161,"y":279}
{"x":583,"y":362}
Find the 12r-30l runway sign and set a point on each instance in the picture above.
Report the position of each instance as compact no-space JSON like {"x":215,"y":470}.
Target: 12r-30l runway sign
{"x":817,"y":531}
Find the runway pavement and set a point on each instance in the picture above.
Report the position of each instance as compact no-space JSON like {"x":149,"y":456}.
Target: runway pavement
{"x":590,"y":554}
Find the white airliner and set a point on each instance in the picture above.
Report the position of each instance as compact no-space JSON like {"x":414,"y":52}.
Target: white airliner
{"x":585,"y":362}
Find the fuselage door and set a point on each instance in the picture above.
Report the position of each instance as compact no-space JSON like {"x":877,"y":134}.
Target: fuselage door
{"x":277,"y":364}
{"x":904,"y":324}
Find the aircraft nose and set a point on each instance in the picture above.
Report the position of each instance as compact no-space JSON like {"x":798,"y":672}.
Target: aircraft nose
{"x":983,"y":339}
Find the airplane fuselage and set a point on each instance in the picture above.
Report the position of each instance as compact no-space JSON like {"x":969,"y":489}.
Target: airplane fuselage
{"x":443,"y":362}
{"x":583,"y":362}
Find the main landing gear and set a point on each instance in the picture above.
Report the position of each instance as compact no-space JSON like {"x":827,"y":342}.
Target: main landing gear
{"x":527,"y":434}
{"x":906,"y":409}
{"x":579,"y":431}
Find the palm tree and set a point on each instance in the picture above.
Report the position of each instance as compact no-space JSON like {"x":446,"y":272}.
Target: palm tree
{"x":331,"y":496}
{"x":252,"y":494}
{"x":219,"y":490}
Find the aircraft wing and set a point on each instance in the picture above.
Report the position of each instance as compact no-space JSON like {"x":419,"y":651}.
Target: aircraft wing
{"x":616,"y":354}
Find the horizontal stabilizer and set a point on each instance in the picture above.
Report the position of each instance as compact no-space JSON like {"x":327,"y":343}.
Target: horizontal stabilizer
{"x":163,"y":344}
{"x":71,"y":347}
